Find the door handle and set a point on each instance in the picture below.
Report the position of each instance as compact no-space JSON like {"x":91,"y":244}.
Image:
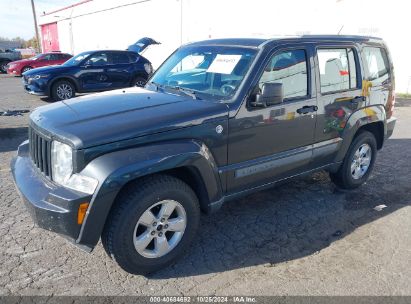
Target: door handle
{"x":307,"y":109}
{"x":358,"y":99}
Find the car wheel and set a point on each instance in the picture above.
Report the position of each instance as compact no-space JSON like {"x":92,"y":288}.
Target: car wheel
{"x":358,"y":162}
{"x":3,"y":66}
{"x":151,"y":224}
{"x":25,"y":69}
{"x":62,"y":90}
{"x":139,"y":82}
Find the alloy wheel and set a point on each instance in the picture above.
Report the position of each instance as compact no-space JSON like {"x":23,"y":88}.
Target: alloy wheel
{"x":159,"y":229}
{"x":361,"y":161}
{"x":64,"y":91}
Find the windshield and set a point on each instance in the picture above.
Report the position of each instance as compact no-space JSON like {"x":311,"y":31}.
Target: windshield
{"x":76,"y":59}
{"x":212,"y":72}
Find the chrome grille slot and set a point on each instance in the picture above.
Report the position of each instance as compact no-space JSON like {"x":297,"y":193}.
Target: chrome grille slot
{"x":40,"y":151}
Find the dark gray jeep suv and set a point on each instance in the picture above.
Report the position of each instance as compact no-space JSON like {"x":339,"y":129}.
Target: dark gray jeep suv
{"x":218,"y":120}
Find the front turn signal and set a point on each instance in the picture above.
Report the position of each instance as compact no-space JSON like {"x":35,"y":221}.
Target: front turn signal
{"x":82,"y":209}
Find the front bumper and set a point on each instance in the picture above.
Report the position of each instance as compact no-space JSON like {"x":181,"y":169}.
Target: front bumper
{"x":13,"y":71}
{"x":34,"y":87}
{"x":390,"y":127}
{"x":51,"y":206}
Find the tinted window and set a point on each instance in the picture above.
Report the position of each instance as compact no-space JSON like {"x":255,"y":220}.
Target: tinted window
{"x":377,"y":63}
{"x":119,"y":58}
{"x":97,"y":59}
{"x":334,"y":70}
{"x":290,"y":69}
{"x":133,"y":57}
{"x":54,"y":56}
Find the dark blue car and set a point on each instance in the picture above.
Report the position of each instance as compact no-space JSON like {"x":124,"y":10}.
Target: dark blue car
{"x":91,"y":71}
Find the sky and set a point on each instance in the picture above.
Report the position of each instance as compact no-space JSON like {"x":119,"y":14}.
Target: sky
{"x":16,"y":17}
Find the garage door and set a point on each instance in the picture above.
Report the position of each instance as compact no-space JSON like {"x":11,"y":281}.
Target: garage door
{"x":49,"y":37}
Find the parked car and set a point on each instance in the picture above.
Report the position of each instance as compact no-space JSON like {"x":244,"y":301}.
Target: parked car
{"x":7,"y":56}
{"x":17,"y":68}
{"x":91,"y":71}
{"x":136,"y":166}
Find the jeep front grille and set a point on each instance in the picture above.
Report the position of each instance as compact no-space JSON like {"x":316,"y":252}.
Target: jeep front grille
{"x":40,"y":152}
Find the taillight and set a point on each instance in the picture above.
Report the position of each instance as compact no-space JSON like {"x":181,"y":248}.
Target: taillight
{"x":389,"y":108}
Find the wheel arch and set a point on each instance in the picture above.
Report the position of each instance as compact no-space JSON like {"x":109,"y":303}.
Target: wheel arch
{"x":372,"y":119}
{"x":190,"y":161}
{"x":70,"y":79}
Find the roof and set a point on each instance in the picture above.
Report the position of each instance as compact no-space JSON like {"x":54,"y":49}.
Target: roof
{"x":258,"y":42}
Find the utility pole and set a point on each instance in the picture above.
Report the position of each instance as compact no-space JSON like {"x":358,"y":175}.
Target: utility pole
{"x":35,"y":25}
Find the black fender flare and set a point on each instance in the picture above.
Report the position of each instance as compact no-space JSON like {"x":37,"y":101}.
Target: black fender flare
{"x":116,"y":169}
{"x":358,"y":119}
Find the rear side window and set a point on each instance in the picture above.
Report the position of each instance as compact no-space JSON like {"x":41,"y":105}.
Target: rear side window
{"x":119,"y":58}
{"x":133,"y":57}
{"x":337,"y":70}
{"x":290,"y":69}
{"x":377,"y":64}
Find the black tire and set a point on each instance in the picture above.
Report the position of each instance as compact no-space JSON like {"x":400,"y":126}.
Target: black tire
{"x":3,"y":65}
{"x":344,"y":178}
{"x":136,"y":199}
{"x":139,"y":82}
{"x":62,"y":85}
{"x":25,"y":69}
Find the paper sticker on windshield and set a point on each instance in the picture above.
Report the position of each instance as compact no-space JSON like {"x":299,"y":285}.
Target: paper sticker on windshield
{"x":224,"y":64}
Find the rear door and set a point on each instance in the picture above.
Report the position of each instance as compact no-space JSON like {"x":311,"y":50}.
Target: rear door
{"x":119,"y":69}
{"x":338,"y":72}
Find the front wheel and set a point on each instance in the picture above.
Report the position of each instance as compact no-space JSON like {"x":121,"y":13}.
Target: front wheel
{"x":62,"y":90}
{"x":25,"y":69}
{"x":358,"y":162}
{"x":152,"y":223}
{"x":3,"y":66}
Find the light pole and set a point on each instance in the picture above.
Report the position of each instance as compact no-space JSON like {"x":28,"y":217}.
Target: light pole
{"x":35,"y":25}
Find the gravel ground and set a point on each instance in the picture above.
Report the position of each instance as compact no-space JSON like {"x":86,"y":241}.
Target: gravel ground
{"x":301,"y":238}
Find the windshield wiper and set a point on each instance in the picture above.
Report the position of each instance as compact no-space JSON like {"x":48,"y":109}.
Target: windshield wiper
{"x":187,"y":92}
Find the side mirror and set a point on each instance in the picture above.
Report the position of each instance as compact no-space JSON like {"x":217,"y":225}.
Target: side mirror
{"x":271,"y":94}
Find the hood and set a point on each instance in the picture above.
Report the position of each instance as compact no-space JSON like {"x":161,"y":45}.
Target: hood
{"x":142,"y":44}
{"x":122,"y":114}
{"x":22,"y":61}
{"x":46,"y":69}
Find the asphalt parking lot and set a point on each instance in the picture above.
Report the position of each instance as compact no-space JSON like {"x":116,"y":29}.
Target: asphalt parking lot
{"x":302,"y":238}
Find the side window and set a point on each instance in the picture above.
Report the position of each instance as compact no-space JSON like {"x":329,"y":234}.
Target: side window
{"x":335,"y":74}
{"x":352,"y":69}
{"x":97,"y":59}
{"x":133,"y":57}
{"x":119,"y":58}
{"x":54,"y":56}
{"x":377,"y":63}
{"x":46,"y":57}
{"x":290,"y":69}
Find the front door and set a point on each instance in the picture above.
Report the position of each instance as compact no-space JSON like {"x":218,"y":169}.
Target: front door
{"x":271,"y":143}
{"x":93,"y":76}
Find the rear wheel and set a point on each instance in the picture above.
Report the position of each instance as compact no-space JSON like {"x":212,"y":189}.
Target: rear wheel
{"x":358,"y":162}
{"x":152,"y":224}
{"x":62,"y":90}
{"x":139,"y":82}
